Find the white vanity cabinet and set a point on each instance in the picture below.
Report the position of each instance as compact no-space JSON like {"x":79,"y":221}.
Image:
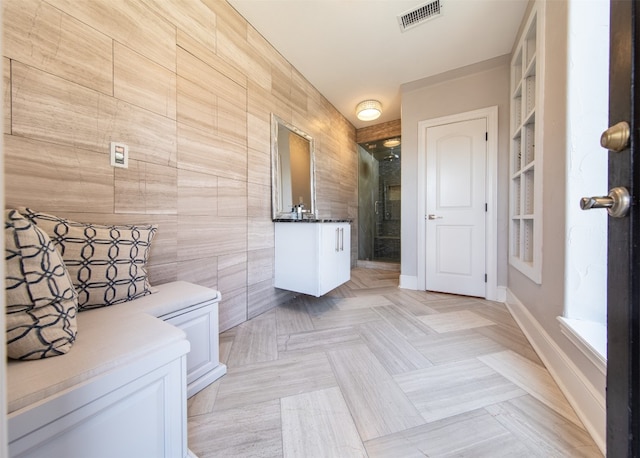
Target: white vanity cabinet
{"x":312,"y":257}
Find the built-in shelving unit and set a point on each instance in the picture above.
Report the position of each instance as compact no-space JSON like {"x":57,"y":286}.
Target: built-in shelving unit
{"x":525,"y":228}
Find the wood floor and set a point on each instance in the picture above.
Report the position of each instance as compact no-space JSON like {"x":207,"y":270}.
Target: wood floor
{"x":374,"y":370}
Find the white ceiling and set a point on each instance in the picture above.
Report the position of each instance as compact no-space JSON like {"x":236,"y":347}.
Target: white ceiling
{"x":352,"y":50}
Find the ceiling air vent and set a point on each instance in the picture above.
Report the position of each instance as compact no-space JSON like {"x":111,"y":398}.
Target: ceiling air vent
{"x":420,"y":14}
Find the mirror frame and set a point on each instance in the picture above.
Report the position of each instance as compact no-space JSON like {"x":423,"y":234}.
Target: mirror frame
{"x":276,"y":167}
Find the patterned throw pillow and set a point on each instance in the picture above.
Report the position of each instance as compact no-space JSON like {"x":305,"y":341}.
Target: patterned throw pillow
{"x":107,"y":263}
{"x":41,"y":301}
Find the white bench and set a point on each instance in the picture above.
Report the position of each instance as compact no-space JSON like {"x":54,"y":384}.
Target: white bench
{"x":121,"y":390}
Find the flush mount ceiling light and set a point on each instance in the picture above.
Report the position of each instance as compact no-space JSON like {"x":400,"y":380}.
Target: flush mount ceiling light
{"x":368,"y":110}
{"x":391,"y":143}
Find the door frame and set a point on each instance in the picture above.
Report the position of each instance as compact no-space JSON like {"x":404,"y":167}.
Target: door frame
{"x":492,"y":292}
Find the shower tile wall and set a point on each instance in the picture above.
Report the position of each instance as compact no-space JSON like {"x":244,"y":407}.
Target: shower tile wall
{"x":367,"y":195}
{"x":387,"y":239}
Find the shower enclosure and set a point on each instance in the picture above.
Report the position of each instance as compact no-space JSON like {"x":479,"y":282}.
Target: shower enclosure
{"x":379,"y":201}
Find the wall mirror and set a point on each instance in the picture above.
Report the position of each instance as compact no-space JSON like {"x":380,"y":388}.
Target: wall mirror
{"x":292,"y":170}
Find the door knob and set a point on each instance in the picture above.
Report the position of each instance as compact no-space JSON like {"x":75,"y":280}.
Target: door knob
{"x":434,"y":217}
{"x":616,"y":137}
{"x":617,"y":202}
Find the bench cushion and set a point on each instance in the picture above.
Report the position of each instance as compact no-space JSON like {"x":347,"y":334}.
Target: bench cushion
{"x":107,"y":338}
{"x":104,"y":342}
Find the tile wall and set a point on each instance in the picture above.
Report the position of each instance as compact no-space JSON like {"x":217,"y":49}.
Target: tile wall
{"x":190,"y":87}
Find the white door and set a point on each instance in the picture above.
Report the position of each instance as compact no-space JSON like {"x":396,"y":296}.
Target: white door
{"x":456,"y":207}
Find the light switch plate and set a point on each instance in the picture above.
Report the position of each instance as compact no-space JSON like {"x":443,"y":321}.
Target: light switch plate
{"x":119,"y":155}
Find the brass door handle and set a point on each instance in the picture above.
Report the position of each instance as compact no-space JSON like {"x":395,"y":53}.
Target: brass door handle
{"x":617,"y":202}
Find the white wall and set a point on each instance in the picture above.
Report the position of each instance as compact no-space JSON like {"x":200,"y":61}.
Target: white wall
{"x":469,"y":88}
{"x":538,"y":306}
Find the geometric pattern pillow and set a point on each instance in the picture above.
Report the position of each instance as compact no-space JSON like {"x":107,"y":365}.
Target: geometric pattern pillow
{"x":41,"y":303}
{"x":107,"y":263}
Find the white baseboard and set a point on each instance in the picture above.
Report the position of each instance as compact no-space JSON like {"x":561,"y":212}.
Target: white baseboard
{"x":408,"y":282}
{"x":588,"y":403}
{"x":501,"y":294}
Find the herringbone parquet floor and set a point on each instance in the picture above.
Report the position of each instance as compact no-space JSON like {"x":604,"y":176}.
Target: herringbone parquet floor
{"x":374,"y":370}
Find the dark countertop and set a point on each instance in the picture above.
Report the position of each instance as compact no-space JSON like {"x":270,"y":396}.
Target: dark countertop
{"x":312,"y":220}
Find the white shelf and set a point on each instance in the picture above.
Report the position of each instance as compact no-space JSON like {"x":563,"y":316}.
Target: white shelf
{"x":525,"y":230}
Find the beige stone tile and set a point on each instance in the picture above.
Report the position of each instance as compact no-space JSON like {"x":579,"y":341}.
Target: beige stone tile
{"x":225,"y":343}
{"x":263,"y":297}
{"x":380,"y":279}
{"x":255,"y":341}
{"x":251,"y":431}
{"x":130,"y":23}
{"x":6,"y":100}
{"x":451,"y":389}
{"x":260,"y":266}
{"x":455,"y":304}
{"x":232,"y":118}
{"x":407,"y":302}
{"x":455,"y":346}
{"x":407,"y":324}
{"x":545,"y":432}
{"x":362,"y":302}
{"x":262,"y":104}
{"x":533,"y":378}
{"x":232,"y":197}
{"x":204,"y":152}
{"x":232,"y":309}
{"x":319,"y":424}
{"x":259,"y":201}
{"x":61,"y":178}
{"x":162,"y":273}
{"x":343,"y":318}
{"x":146,"y":188}
{"x":203,"y":401}
{"x":511,"y":338}
{"x":292,"y":318}
{"x":39,"y":35}
{"x":261,"y":382}
{"x":261,"y":233}
{"x":142,"y":82}
{"x":202,"y":271}
{"x":205,"y":236}
{"x":197,"y":106}
{"x":377,"y":404}
{"x":390,"y":347}
{"x":48,"y":108}
{"x":209,"y":57}
{"x":232,"y":271}
{"x":259,"y":130}
{"x":260,"y":55}
{"x":197,"y":193}
{"x":193,"y":17}
{"x":319,"y":306}
{"x":300,"y":89}
{"x":473,"y":434}
{"x":259,"y":170}
{"x":316,"y":341}
{"x":455,"y":321}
